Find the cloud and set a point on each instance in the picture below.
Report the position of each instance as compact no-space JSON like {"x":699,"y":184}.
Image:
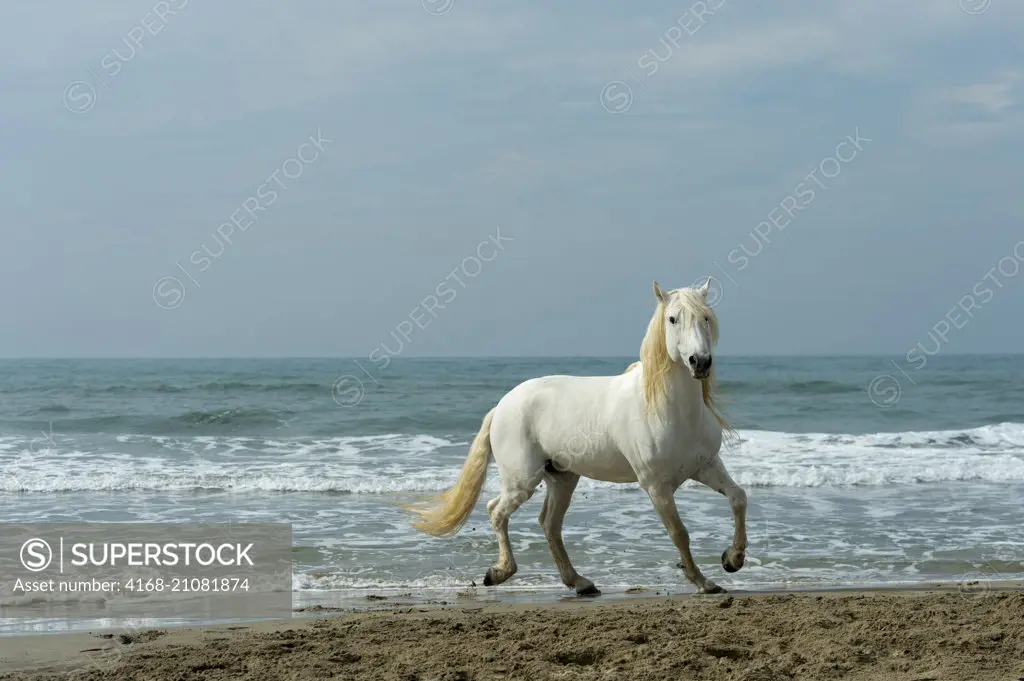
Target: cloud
{"x":973,"y":112}
{"x":992,"y":97}
{"x":850,"y":37}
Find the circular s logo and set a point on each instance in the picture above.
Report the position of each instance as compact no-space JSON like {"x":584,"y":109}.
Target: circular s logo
{"x":437,"y":7}
{"x":168,"y":293}
{"x":79,"y":97}
{"x":616,"y":97}
{"x":975,"y":6}
{"x":885,"y":391}
{"x":715,"y":289}
{"x":348,"y":391}
{"x":36,"y":555}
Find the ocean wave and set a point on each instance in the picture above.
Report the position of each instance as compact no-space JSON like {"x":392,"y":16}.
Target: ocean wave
{"x":356,"y":464}
{"x":281,"y":479}
{"x":48,"y":409}
{"x":225,"y":386}
{"x":223,"y":420}
{"x":1002,"y":436}
{"x":426,"y":464}
{"x":992,"y":453}
{"x":203,"y":418}
{"x":817,"y":387}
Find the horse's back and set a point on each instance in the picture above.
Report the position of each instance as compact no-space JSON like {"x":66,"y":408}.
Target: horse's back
{"x":567,"y":420}
{"x":558,"y":397}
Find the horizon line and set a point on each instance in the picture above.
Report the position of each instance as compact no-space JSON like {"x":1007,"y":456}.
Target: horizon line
{"x":465,"y":357}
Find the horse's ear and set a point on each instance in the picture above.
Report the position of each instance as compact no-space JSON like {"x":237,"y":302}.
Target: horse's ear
{"x":659,"y":294}
{"x":703,"y":289}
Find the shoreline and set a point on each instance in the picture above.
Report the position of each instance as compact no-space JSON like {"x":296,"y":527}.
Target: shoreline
{"x":386,"y":599}
{"x":946,"y":631}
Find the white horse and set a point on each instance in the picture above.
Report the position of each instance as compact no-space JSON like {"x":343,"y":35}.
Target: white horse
{"x":655,"y":424}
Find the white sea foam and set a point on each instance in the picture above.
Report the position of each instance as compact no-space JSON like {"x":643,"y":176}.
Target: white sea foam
{"x":985,"y":454}
{"x":383,"y":464}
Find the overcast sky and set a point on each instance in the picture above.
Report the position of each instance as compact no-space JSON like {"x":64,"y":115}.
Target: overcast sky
{"x":611,"y":144}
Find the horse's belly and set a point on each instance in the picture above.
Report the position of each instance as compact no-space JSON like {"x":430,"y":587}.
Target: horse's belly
{"x":609,"y":468}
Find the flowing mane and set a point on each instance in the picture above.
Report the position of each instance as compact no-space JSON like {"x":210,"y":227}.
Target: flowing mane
{"x":656,"y":363}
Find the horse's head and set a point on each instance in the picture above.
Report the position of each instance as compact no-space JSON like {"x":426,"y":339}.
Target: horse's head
{"x":691,"y":328}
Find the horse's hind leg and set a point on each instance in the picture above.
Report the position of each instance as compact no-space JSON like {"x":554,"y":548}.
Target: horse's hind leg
{"x":556,"y":503}
{"x":501,"y":508}
{"x":515,"y":491}
{"x":717,"y":478}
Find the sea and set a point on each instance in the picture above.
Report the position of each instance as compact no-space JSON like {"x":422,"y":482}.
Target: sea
{"x":858,"y":470}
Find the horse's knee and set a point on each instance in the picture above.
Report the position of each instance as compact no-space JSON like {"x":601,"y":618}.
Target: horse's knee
{"x":505,"y":505}
{"x":517,"y":499}
{"x":738,"y":499}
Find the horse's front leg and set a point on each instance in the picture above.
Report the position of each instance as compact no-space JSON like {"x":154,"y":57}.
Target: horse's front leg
{"x":717,"y":478}
{"x":662,"y":496}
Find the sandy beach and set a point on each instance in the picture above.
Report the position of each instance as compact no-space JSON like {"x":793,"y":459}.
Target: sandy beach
{"x":896,"y":634}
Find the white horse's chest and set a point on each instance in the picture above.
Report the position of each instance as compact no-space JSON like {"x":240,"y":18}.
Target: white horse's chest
{"x":677,"y":453}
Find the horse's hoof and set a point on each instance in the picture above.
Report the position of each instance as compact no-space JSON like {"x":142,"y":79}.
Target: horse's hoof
{"x":587,"y":588}
{"x":727,"y":565}
{"x":711,"y":588}
{"x":489,"y":578}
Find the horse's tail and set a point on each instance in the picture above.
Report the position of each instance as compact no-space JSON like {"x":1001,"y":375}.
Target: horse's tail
{"x":445,"y":514}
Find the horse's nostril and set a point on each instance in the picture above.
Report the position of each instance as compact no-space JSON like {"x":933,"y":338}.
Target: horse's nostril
{"x":693,"y":360}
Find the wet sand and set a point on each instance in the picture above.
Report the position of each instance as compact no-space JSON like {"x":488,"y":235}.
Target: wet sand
{"x":977,"y":633}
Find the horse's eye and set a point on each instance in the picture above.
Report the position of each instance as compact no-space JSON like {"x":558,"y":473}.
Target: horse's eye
{"x":671,"y":320}
{"x":707,"y":320}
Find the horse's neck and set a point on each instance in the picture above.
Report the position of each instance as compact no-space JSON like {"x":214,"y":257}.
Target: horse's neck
{"x":683,"y":394}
